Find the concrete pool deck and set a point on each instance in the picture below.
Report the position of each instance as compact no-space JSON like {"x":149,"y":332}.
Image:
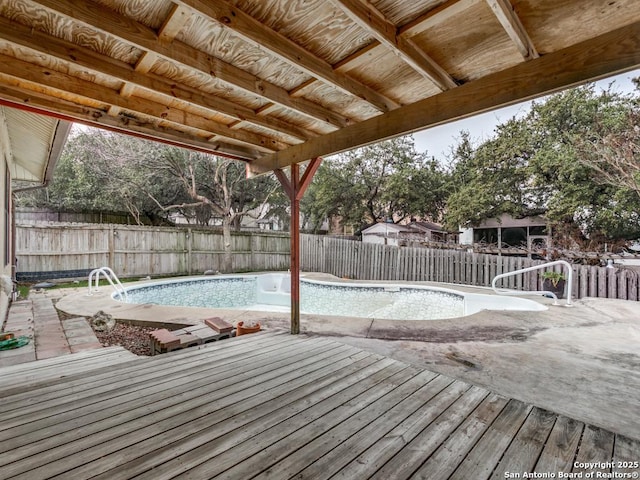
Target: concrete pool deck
{"x":583,"y":362}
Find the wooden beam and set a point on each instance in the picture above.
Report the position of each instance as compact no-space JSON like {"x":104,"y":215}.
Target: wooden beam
{"x":70,"y":53}
{"x":126,"y":90}
{"x":37,"y":102}
{"x":284,"y":181}
{"x":357,"y":58}
{"x":175,"y":21}
{"x":511,"y":23}
{"x":89,"y":90}
{"x":435,"y":16}
{"x":140,"y":36}
{"x":373,"y":21}
{"x":307,"y":176}
{"x":608,"y":54}
{"x":146,"y":61}
{"x":251,"y":30}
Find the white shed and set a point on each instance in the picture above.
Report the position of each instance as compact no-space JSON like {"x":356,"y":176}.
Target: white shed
{"x":385,"y":233}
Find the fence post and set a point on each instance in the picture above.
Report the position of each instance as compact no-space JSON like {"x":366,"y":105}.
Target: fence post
{"x":252,"y":254}
{"x":189,"y":251}
{"x":112,"y":248}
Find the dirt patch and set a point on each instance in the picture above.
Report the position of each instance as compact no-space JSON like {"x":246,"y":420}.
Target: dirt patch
{"x":132,"y":337}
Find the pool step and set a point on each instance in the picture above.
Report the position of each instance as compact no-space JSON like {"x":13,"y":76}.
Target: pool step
{"x":163,"y":340}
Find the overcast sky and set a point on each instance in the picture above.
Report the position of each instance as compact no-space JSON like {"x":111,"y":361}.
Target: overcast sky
{"x":438,"y":141}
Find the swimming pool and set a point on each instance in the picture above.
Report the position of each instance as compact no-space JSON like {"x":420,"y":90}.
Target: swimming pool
{"x":270,"y":292}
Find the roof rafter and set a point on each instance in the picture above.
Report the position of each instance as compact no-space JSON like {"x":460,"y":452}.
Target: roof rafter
{"x":435,"y":16}
{"x":22,"y":70}
{"x":175,"y":21}
{"x":36,"y":101}
{"x":251,"y":30}
{"x":612,"y":52}
{"x":134,"y":33}
{"x":172,"y":25}
{"x":374,"y":22}
{"x":62,"y":50}
{"x":511,"y":23}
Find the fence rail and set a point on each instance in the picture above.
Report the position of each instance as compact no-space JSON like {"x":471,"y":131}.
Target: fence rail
{"x":61,"y":250}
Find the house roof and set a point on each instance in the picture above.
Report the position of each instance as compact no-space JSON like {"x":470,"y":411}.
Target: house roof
{"x":413,"y":227}
{"x":277,"y":82}
{"x":384,"y":227}
{"x":506,"y":220}
{"x":32,"y":144}
{"x":427,"y":226}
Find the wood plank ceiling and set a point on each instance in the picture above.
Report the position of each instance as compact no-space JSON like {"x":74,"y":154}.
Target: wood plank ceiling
{"x":276,"y":82}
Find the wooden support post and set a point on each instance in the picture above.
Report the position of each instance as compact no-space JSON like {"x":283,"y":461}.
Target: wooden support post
{"x":295,"y":187}
{"x":295,"y":251}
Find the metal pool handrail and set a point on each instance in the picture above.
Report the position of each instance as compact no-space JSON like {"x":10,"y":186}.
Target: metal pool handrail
{"x":506,"y":291}
{"x":111,"y":277}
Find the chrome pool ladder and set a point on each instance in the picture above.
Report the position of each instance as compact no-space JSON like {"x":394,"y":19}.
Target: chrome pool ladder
{"x":111,"y":277}
{"x":506,"y":291}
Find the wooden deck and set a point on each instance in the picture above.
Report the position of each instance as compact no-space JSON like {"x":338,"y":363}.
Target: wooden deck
{"x":280,"y":406}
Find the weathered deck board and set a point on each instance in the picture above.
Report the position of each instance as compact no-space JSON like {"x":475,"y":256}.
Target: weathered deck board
{"x":279,"y":406}
{"x":525,"y":448}
{"x":423,"y":445}
{"x":22,"y":376}
{"x":91,"y":401}
{"x":486,"y":454}
{"x":625,"y":455}
{"x":449,"y":455}
{"x":370,"y":461}
{"x":106,"y":377}
{"x":112,"y":422}
{"x":561,"y":446}
{"x":341,"y":452}
{"x":596,"y":447}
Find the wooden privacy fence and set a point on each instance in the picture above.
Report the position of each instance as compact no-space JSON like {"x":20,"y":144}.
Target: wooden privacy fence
{"x":369,"y":261}
{"x":65,"y":251}
{"x":62,"y":250}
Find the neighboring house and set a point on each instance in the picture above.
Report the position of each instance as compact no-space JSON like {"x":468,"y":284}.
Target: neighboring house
{"x":30,"y":145}
{"x":530,"y":233}
{"x":398,"y":235}
{"x":253,"y":220}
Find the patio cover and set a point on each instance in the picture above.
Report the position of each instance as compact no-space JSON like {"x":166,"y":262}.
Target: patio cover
{"x":276,"y":82}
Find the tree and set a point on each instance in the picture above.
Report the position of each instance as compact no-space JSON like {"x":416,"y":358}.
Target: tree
{"x":381,"y":182}
{"x":216,"y":187}
{"x":101,"y":170}
{"x":78,"y":183}
{"x":538,"y":163}
{"x":615,"y":155}
{"x":491,"y":180}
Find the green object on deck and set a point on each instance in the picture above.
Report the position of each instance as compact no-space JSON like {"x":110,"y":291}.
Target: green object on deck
{"x":14,"y":343}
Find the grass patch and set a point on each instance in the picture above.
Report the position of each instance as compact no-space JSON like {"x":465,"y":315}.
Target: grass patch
{"x":23,"y":292}
{"x":85,"y":283}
